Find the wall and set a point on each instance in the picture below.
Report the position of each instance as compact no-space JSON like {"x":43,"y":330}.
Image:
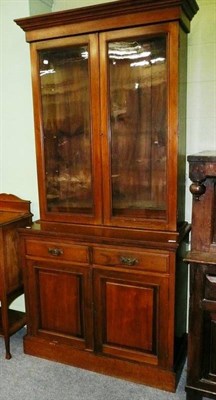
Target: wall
{"x":40,"y":6}
{"x":17,"y":152}
{"x":201,"y":86}
{"x":67,"y":4}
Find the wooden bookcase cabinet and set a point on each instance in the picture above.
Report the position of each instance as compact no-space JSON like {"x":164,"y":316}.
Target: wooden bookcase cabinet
{"x":105,"y":283}
{"x":201,"y":372}
{"x":14,"y":213}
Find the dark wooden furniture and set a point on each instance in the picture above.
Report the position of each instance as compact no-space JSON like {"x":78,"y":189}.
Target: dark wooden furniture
{"x":105,"y":283}
{"x":14,"y":214}
{"x":201,"y":373}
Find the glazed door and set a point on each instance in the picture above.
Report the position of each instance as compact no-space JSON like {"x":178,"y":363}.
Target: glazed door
{"x":136,"y":95}
{"x":66,"y":97}
{"x":131,"y":316}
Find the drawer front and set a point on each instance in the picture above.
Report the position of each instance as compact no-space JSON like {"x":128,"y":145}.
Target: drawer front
{"x":55,"y":250}
{"x":132,"y":258}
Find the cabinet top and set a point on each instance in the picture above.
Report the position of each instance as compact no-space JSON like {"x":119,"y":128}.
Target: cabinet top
{"x":182,"y":10}
{"x":12,"y":208}
{"x":202,"y":165}
{"x":203,"y":156}
{"x":12,"y":203}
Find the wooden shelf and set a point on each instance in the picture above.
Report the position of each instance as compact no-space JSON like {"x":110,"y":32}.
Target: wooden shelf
{"x":17,"y":319}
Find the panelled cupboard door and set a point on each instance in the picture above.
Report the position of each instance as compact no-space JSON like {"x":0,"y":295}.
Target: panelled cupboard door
{"x":66,"y":105}
{"x":139,"y":133}
{"x":58,"y":302}
{"x":202,"y":332}
{"x":132,"y":316}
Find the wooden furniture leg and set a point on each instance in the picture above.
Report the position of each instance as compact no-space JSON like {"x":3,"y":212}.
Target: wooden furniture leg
{"x":5,"y":327}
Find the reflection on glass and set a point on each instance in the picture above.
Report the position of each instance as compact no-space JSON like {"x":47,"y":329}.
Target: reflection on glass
{"x":138,"y":104}
{"x":66,"y":128}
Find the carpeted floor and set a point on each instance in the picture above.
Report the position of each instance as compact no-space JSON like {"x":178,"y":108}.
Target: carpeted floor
{"x":30,"y":378}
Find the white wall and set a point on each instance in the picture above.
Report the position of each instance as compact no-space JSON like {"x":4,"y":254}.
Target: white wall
{"x":67,"y":4}
{"x":201,"y":86}
{"x":40,"y":6}
{"x":17,"y":152}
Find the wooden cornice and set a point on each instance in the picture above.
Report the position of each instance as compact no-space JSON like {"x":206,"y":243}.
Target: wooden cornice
{"x":103,"y":11}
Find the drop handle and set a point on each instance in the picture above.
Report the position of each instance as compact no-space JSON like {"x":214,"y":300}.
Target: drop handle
{"x":55,"y":251}
{"x":128,"y":261}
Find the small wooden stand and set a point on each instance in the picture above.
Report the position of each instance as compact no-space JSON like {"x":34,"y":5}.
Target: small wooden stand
{"x":14,"y":213}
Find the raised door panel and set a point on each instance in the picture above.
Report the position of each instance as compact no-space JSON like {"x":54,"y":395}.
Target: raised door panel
{"x":66,"y":104}
{"x":66,"y":314}
{"x":139,"y":134}
{"x":59,"y":302}
{"x":131,"y":318}
{"x":122,"y":322}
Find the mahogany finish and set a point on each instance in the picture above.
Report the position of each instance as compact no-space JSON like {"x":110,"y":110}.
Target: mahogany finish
{"x":201,"y":372}
{"x":14,"y":214}
{"x":105,"y":282}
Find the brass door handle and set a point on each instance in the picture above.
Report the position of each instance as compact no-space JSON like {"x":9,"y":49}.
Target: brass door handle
{"x":128,"y":261}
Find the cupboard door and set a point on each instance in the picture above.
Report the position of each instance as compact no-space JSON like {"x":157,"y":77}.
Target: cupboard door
{"x":131,"y":316}
{"x":209,"y":343}
{"x":59,"y":302}
{"x":202,"y":328}
{"x":66,"y":96}
{"x":135,"y":79}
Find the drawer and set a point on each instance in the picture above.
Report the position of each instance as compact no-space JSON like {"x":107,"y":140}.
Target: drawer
{"x":132,"y":258}
{"x":55,"y":250}
{"x":210,"y":287}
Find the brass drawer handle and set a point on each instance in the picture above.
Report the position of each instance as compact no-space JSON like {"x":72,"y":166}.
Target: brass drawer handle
{"x":129,"y":261}
{"x":55,"y":251}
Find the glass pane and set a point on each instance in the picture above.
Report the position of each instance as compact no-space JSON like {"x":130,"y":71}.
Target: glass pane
{"x":138,"y":104}
{"x":66,"y":127}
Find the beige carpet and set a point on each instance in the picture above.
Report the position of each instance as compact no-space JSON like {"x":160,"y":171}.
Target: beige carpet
{"x":30,"y":378}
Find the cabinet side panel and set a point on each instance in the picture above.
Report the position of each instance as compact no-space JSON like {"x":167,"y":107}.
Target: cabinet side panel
{"x":13,"y":271}
{"x":181,"y":292}
{"x":182,"y":125}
